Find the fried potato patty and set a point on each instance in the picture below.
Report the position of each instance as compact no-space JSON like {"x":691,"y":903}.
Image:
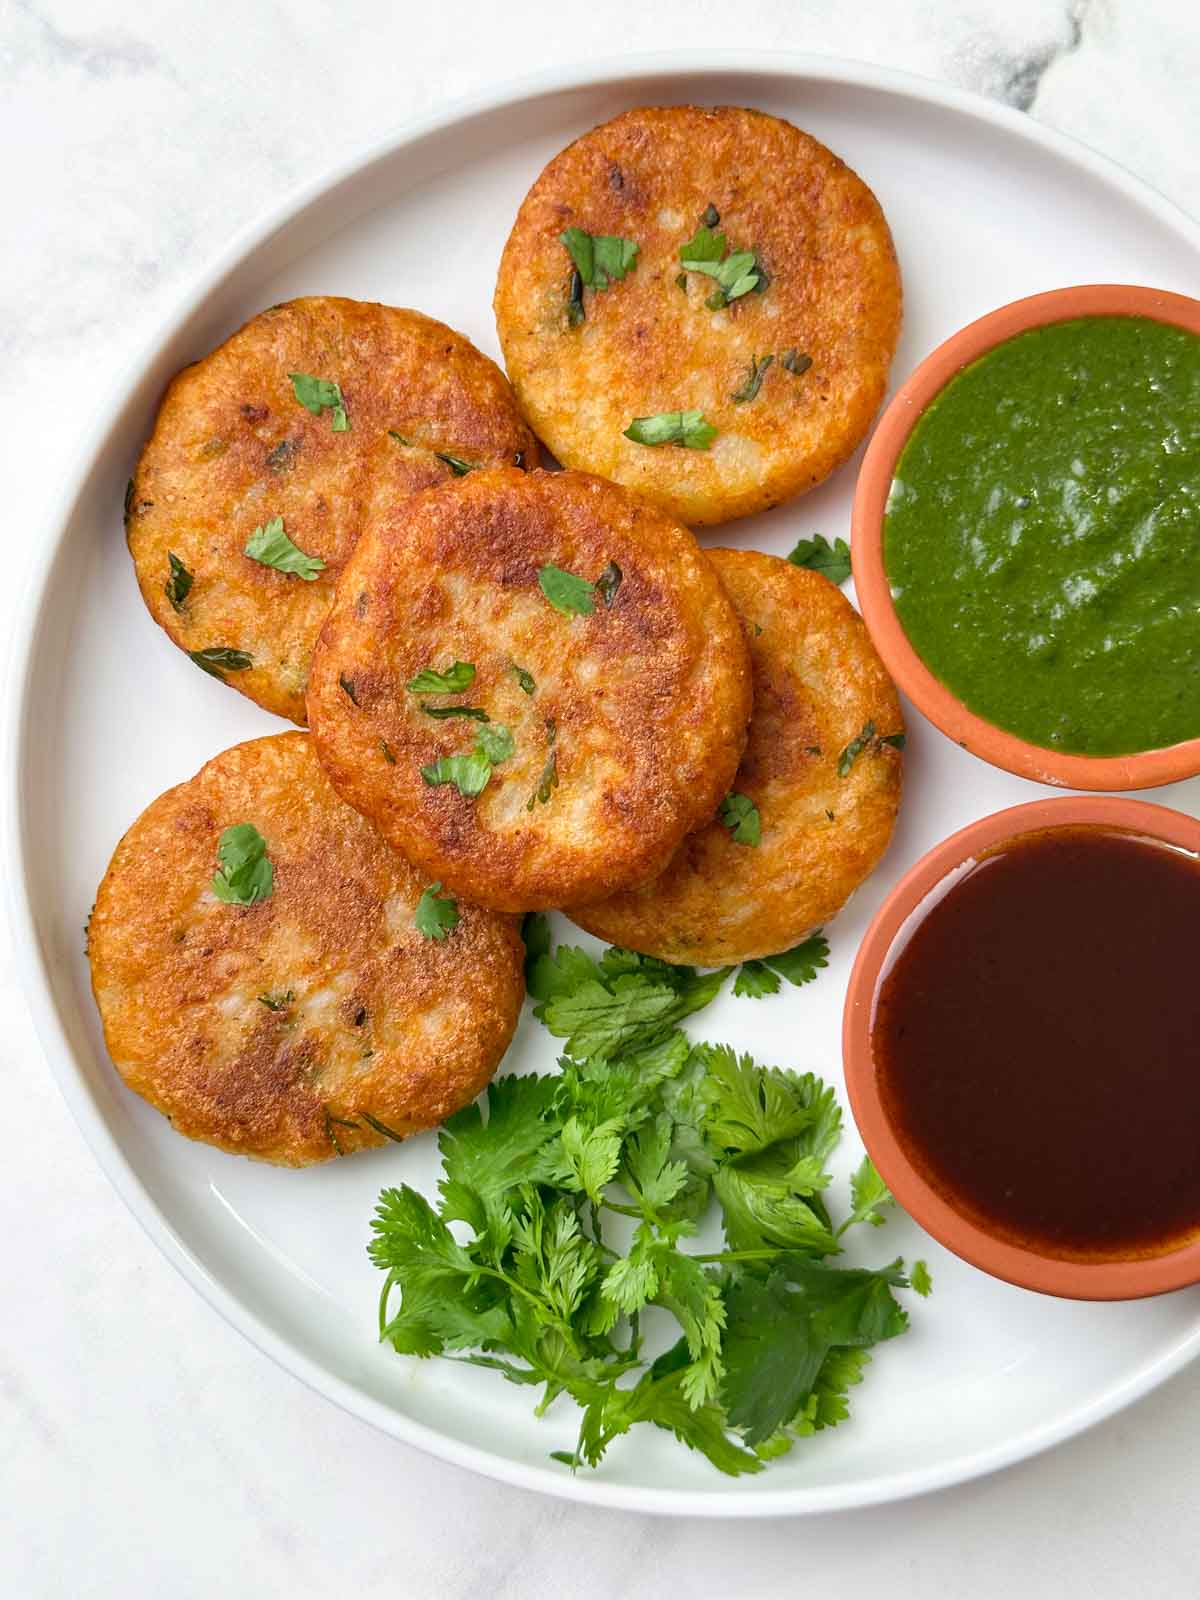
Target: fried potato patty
{"x":614,"y":725}
{"x":826,"y":807}
{"x":233,"y":449}
{"x":305,"y":1025}
{"x":826,"y":298}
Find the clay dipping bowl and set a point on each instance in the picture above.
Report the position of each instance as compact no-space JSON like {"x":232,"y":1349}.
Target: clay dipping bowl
{"x":915,"y":894}
{"x":943,"y":708}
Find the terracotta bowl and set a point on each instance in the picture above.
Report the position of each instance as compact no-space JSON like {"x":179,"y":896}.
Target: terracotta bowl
{"x":900,"y":912}
{"x":940,"y":704}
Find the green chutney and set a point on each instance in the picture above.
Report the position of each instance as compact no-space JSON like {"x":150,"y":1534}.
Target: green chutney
{"x":1042,"y":536}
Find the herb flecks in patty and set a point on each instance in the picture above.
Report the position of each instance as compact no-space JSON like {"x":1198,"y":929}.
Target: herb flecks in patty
{"x":218,"y":659}
{"x":566,"y":591}
{"x":454,"y":680}
{"x":179,"y":585}
{"x":753,"y":383}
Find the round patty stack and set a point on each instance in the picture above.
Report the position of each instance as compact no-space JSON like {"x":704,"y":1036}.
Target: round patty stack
{"x":526,"y":689}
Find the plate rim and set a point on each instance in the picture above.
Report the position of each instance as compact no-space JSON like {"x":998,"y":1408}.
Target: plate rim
{"x":690,"y":67}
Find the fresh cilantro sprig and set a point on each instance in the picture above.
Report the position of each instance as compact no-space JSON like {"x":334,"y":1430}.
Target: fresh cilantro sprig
{"x":799,"y":965}
{"x":832,"y":560}
{"x":641,"y":1124}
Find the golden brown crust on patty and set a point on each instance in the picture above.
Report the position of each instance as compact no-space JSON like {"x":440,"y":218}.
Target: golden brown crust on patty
{"x":648,"y":346}
{"x":380,"y":1019}
{"x":233,"y":448}
{"x":817,"y":682}
{"x":648,"y":698}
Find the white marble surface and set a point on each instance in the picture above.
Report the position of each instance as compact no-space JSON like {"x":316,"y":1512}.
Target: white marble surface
{"x":144,"y":1448}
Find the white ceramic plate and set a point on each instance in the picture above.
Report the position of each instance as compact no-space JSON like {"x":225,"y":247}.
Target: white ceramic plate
{"x":985,"y":205}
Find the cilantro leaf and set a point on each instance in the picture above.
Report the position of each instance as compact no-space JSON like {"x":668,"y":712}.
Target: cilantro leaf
{"x":245,"y":875}
{"x":753,"y":383}
{"x":524,"y":679}
{"x":179,"y":585}
{"x":687,"y":428}
{"x":599,"y":258}
{"x":271,"y":546}
{"x":469,"y":774}
{"x":217,"y":660}
{"x":320,"y":394}
{"x":781,"y":1330}
{"x":473,"y":713}
{"x":566,"y":592}
{"x":855,"y":748}
{"x":436,"y":915}
{"x":735,"y":275}
{"x":659,"y":1396}
{"x":755,"y":981}
{"x":457,"y":465}
{"x":548,"y":781}
{"x":896,"y":740}
{"x":803,"y":961}
{"x":868,"y":1195}
{"x":832,"y":560}
{"x":494,"y":742}
{"x":454,"y":680}
{"x":740,"y":815}
{"x":920,"y":1280}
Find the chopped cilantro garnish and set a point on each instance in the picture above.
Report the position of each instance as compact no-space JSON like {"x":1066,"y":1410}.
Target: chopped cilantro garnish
{"x":494,"y":741}
{"x":179,"y":585}
{"x":735,"y":274}
{"x":217,"y":660}
{"x":740,"y":816}
{"x":833,"y":560}
{"x":469,"y":774}
{"x":753,"y":383}
{"x":599,"y":258}
{"x":271,"y":546}
{"x":566,"y":592}
{"x":436,"y":914}
{"x":860,"y":742}
{"x":453,"y":681}
{"x":320,"y":394}
{"x":476,"y":713}
{"x":548,"y":781}
{"x":525,"y":679}
{"x":855,"y":748}
{"x":245,"y":874}
{"x":687,"y":428}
